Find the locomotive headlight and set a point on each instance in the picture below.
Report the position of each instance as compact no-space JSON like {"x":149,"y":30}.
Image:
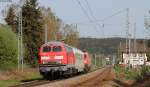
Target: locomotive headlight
{"x":58,"y":57}
{"x":45,"y":57}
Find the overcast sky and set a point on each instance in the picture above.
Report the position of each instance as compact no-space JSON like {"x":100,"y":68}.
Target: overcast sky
{"x":71,"y":12}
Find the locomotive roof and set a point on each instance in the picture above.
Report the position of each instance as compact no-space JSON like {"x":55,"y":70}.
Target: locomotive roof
{"x":61,"y":43}
{"x":53,"y":42}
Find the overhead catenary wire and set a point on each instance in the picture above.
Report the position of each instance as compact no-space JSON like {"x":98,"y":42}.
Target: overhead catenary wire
{"x":95,"y":21}
{"x":106,"y":18}
{"x":111,"y":16}
{"x":91,"y":12}
{"x":85,"y":12}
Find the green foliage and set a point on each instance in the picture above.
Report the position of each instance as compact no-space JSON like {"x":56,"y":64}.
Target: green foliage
{"x":128,"y":73}
{"x":148,"y":55}
{"x":11,"y":19}
{"x":144,"y":70}
{"x":8,"y":48}
{"x":32,"y":31}
{"x":133,"y":73}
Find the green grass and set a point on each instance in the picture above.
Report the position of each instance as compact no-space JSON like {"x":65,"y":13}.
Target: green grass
{"x":6,"y":83}
{"x":28,"y":77}
{"x":10,"y":82}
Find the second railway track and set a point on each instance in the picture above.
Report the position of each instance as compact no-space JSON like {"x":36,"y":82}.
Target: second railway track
{"x":33,"y":83}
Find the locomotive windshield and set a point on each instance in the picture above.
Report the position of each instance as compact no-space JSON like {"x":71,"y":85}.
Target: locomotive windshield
{"x":46,"y":49}
{"x":57,"y":49}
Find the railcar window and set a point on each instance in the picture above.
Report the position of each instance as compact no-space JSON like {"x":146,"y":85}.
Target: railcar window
{"x":46,"y":49}
{"x":57,"y":49}
{"x":69,"y":49}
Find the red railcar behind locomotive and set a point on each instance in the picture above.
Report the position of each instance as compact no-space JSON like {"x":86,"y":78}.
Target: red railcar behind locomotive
{"x":57,"y":58}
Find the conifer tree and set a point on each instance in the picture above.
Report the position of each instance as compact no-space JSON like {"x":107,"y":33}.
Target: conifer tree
{"x":32,"y":30}
{"x":11,"y":19}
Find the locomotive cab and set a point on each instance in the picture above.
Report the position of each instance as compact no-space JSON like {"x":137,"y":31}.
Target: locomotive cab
{"x":52,"y":54}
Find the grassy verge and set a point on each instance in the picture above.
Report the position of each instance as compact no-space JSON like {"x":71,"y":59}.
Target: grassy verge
{"x":6,"y":83}
{"x":13,"y":77}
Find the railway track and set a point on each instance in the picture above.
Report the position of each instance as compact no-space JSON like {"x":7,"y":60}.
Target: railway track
{"x":32,"y":83}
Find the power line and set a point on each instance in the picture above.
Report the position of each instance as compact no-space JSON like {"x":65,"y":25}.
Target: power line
{"x":91,"y":12}
{"x":105,"y":19}
{"x":93,"y":17}
{"x":85,"y":12}
{"x":109,"y":17}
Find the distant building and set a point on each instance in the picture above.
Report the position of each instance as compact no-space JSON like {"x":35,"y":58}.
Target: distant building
{"x":135,"y":56}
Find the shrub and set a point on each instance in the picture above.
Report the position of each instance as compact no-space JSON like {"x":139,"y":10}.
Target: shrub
{"x":128,"y":73}
{"x":133,"y":73}
{"x":144,"y":70}
{"x":8,"y":48}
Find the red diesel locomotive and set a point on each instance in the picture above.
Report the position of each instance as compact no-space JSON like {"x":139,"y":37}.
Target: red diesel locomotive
{"x":57,"y":58}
